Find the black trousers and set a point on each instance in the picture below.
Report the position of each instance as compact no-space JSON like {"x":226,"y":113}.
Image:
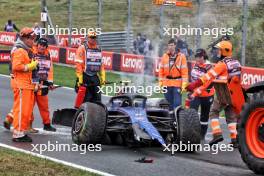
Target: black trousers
{"x":92,"y":91}
{"x":205,"y":104}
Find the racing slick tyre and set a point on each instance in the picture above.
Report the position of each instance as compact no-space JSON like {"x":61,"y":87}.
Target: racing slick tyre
{"x":251,"y":135}
{"x":189,"y":128}
{"x":89,"y":124}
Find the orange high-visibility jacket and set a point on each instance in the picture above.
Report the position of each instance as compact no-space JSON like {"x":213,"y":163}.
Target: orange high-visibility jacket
{"x":47,"y":54}
{"x":22,"y":78}
{"x":223,"y":70}
{"x":196,"y":73}
{"x":173,"y":73}
{"x":80,"y":59}
{"x":12,"y":81}
{"x":229,"y":71}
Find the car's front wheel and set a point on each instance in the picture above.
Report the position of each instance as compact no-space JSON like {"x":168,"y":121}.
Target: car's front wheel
{"x":89,"y":124}
{"x":188,"y":127}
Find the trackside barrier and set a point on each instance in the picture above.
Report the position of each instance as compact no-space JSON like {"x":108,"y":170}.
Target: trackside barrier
{"x":108,"y":41}
{"x":7,"y":38}
{"x":123,"y":62}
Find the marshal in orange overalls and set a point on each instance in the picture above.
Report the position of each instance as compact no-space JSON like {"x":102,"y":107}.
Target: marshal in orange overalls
{"x":227,"y":70}
{"x":23,"y":88}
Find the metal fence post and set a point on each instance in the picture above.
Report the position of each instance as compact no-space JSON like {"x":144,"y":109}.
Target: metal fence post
{"x":43,"y":9}
{"x":199,"y":21}
{"x":161,"y":29}
{"x":128,"y":24}
{"x":244,"y":32}
{"x":99,"y":17}
{"x":70,"y":20}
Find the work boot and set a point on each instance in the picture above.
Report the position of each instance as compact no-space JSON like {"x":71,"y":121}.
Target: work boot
{"x":48,"y":127}
{"x":234,"y":143}
{"x":7,"y":125}
{"x":202,"y":137}
{"x":203,"y":133}
{"x":25,"y":138}
{"x":33,"y":130}
{"x":216,"y":138}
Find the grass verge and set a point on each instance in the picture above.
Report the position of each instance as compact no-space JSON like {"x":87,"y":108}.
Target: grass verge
{"x":20,"y":164}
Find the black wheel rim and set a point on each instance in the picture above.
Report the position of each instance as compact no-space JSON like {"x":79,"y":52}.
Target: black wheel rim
{"x":79,"y":122}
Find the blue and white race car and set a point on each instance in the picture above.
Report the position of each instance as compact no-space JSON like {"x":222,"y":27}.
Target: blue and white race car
{"x":129,"y":120}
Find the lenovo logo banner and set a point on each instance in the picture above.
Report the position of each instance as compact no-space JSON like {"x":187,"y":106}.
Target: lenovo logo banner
{"x":54,"y":53}
{"x":107,"y":60}
{"x":156,"y":66}
{"x":4,"y":56}
{"x":132,"y":63}
{"x":251,"y":75}
{"x":7,"y":38}
{"x":70,"y":55}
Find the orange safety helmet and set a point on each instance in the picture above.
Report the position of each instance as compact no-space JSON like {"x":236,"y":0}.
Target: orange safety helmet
{"x":27,"y":32}
{"x":225,"y":48}
{"x":91,"y":34}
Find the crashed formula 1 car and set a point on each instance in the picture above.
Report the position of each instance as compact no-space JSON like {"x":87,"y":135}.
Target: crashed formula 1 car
{"x":129,"y":120}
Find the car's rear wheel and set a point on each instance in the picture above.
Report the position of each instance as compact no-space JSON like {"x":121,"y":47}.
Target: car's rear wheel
{"x":251,"y":135}
{"x":188,"y":127}
{"x":89,"y":124}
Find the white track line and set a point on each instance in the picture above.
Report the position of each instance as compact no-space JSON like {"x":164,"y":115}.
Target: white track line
{"x":56,"y":160}
{"x":59,"y":132}
{"x":6,"y":76}
{"x":68,"y":88}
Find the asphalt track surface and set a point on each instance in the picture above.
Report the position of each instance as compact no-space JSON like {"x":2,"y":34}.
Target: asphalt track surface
{"x":119,"y":160}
